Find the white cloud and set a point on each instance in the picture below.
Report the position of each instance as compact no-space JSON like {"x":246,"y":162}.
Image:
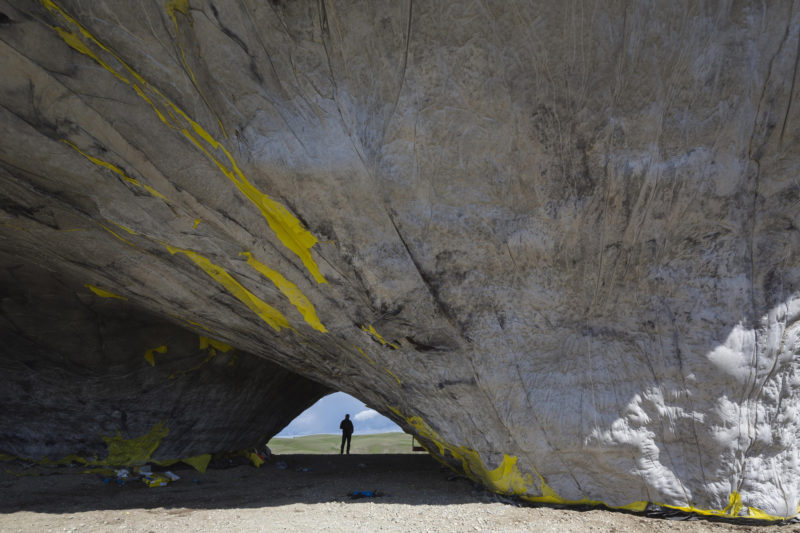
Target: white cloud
{"x":363,"y":416}
{"x":325,"y":415}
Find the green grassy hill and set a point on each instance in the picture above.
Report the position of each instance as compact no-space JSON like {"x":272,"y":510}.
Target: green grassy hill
{"x":321,"y":444}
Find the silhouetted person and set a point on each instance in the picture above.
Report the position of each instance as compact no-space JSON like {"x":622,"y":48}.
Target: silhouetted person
{"x":347,"y":431}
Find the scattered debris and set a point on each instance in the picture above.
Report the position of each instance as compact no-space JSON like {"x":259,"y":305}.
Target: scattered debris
{"x":143,"y":473}
{"x":356,"y":494}
{"x":155,"y":480}
{"x":256,"y":458}
{"x":281,"y":465}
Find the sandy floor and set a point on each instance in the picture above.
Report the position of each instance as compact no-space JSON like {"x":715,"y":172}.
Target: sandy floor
{"x":310,"y":495}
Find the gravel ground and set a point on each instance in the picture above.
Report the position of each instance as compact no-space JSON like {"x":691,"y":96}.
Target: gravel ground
{"x":311,"y":494}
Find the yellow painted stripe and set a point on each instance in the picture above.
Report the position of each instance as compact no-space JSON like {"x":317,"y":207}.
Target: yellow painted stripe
{"x":102,"y":293}
{"x":154,"y":192}
{"x":289,"y":290}
{"x":125,"y":228}
{"x":135,"y":451}
{"x":208,"y":342}
{"x":115,"y":169}
{"x":393,"y":375}
{"x":115,"y":234}
{"x":182,"y":6}
{"x":149,"y":355}
{"x":507,"y":479}
{"x":364,"y":354}
{"x":285,"y":225}
{"x":377,"y":336}
{"x":266,"y":312}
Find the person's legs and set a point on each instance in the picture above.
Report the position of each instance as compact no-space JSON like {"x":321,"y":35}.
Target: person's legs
{"x":348,"y":444}
{"x":341,"y":451}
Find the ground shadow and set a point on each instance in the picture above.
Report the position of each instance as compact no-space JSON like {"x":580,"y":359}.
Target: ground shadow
{"x":410,"y":479}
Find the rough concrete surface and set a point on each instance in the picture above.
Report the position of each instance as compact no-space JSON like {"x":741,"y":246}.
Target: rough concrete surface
{"x":557,"y":241}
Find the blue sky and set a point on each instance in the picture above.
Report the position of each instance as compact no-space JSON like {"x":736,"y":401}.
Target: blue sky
{"x":325,"y":415}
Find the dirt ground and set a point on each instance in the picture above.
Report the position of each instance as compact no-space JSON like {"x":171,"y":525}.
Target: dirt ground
{"x":310,"y":494}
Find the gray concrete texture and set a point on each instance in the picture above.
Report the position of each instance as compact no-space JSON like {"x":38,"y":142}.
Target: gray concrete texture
{"x":558,"y":241}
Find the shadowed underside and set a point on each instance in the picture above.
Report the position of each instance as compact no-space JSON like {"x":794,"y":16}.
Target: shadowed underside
{"x":557,"y":243}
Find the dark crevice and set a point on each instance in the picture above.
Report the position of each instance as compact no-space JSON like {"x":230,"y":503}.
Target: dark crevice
{"x":422,"y":347}
{"x":428,"y":282}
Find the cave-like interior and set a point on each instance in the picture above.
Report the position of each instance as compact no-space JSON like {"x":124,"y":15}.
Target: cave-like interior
{"x":557,"y":242}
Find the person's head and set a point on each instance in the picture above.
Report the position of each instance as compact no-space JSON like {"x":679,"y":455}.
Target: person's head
{"x":346,"y":417}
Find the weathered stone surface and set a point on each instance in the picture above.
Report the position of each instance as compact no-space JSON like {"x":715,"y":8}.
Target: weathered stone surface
{"x":83,"y":373}
{"x":559,"y":242}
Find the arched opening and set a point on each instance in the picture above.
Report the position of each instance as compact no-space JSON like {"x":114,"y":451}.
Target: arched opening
{"x":316,"y":430}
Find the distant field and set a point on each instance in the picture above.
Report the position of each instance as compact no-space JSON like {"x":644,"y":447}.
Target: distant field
{"x":320,"y":444}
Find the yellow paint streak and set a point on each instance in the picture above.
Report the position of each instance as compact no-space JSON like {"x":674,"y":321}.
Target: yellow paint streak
{"x":182,"y":6}
{"x":149,"y":355}
{"x":116,"y":170}
{"x":213,"y":347}
{"x":734,"y":504}
{"x":147,"y":99}
{"x":732,"y":510}
{"x":290,"y":290}
{"x":154,"y":192}
{"x":507,"y":479}
{"x":102,"y":293}
{"x":124,"y":228}
{"x":115,"y":234}
{"x":364,"y":354}
{"x":136,"y":451}
{"x":199,"y":462}
{"x":191,"y":323}
{"x":266,"y":312}
{"x":378,"y":337}
{"x":393,"y":375}
{"x":75,"y":42}
{"x":198,"y":324}
{"x":758,"y":514}
{"x":637,"y":507}
{"x":196,"y":223}
{"x":211,"y":354}
{"x":207,"y":342}
{"x":102,"y":163}
{"x":286,"y":226}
